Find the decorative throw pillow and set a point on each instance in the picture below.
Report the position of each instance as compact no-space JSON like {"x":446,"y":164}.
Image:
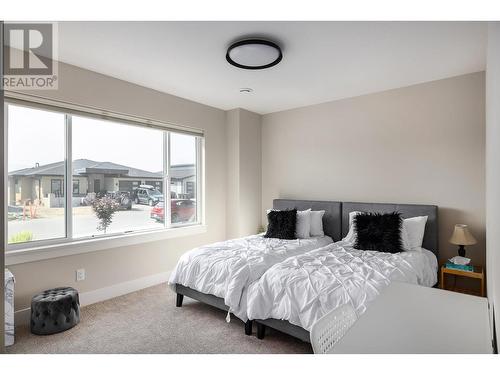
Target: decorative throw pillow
{"x":379,"y":232}
{"x":303,"y":226}
{"x":317,"y":223}
{"x":281,"y":224}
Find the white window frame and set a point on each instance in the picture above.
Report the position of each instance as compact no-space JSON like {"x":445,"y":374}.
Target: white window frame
{"x":49,"y":248}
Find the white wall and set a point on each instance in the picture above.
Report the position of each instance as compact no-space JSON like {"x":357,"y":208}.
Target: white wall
{"x":243,"y":172}
{"x":493,"y":169}
{"x":421,"y":144}
{"x":119,"y":265}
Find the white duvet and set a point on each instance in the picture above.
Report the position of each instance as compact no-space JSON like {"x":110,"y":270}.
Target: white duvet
{"x":225,"y":269}
{"x":304,"y":288}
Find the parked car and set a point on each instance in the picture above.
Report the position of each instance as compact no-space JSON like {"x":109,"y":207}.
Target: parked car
{"x":158,"y":212}
{"x":147,"y":195}
{"x":182,"y":210}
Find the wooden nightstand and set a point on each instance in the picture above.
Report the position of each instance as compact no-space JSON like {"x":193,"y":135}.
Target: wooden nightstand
{"x":478,"y":274}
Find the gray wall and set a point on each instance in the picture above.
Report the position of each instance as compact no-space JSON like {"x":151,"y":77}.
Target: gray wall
{"x":243,"y":172}
{"x":492,"y":169}
{"x":420,"y":144}
{"x":233,"y":170}
{"x":250,"y":172}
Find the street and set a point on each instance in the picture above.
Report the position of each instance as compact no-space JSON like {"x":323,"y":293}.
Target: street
{"x":84,"y":223}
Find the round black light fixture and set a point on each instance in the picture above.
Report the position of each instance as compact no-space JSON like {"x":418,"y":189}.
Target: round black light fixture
{"x":254,"y":54}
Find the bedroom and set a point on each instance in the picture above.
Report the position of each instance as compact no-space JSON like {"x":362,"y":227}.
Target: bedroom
{"x":289,"y":175}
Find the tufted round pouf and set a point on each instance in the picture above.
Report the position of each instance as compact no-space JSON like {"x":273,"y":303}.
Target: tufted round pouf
{"x":54,"y":310}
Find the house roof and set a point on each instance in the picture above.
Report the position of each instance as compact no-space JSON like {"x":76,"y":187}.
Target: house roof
{"x":52,"y":169}
{"x":182,"y":171}
{"x":86,"y":166}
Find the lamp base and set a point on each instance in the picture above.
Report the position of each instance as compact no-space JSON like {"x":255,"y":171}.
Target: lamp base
{"x":461,"y":250}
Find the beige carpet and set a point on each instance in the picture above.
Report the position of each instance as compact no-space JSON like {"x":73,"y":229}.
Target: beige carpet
{"x":147,"y":321}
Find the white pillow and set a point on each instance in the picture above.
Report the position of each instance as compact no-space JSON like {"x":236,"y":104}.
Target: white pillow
{"x":405,"y":241}
{"x":351,"y":235}
{"x":414,"y":228}
{"x":303,"y":224}
{"x":317,"y":223}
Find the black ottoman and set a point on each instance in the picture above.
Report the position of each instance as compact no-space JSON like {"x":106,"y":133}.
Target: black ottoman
{"x":54,"y":310}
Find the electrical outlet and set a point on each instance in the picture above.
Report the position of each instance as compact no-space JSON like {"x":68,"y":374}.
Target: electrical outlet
{"x":80,"y":274}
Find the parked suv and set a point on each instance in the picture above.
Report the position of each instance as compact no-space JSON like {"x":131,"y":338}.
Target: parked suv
{"x":146,"y":194}
{"x":182,"y":210}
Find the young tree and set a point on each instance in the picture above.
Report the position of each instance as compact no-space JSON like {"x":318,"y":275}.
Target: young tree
{"x":104,"y":209}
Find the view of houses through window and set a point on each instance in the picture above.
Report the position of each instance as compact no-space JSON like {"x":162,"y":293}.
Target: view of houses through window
{"x":118,"y":183}
{"x":36,"y":146}
{"x":182,"y":177}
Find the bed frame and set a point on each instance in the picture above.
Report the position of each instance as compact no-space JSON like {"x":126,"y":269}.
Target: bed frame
{"x":430,"y":242}
{"x":331,"y":226}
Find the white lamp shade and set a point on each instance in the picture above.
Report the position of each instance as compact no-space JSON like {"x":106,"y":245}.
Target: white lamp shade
{"x":254,"y":54}
{"x":462,"y":236}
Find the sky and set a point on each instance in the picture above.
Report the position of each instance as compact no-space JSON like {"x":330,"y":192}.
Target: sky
{"x":37,"y":136}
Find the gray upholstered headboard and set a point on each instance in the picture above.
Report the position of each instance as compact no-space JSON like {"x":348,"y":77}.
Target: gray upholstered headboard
{"x":331,"y":219}
{"x":407,"y":210}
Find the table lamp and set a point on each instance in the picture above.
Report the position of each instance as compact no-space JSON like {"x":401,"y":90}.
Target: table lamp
{"x":462,"y":237}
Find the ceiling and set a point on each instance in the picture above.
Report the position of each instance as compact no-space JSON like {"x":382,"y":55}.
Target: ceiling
{"x":322,"y":61}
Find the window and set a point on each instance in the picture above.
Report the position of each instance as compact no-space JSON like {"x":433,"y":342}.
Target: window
{"x":190,"y":188}
{"x":98,"y":155}
{"x":56,"y":188}
{"x":183,"y":178}
{"x":36,"y":153}
{"x":124,"y":177}
{"x":76,"y":187}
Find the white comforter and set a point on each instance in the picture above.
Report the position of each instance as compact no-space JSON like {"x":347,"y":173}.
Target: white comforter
{"x":303,"y":288}
{"x":226,"y":268}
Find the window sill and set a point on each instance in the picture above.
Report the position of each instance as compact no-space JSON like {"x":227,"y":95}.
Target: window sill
{"x":96,"y":244}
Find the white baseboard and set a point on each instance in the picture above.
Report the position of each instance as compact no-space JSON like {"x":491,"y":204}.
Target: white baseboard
{"x":22,"y":317}
{"x":102,"y":294}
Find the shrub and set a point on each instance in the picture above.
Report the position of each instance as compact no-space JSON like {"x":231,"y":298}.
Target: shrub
{"x":104,"y":208}
{"x":23,"y":236}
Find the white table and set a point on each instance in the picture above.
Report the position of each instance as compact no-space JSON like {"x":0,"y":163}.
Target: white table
{"x":408,"y":318}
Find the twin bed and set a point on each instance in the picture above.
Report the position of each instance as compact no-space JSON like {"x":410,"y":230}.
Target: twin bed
{"x":290,"y":284}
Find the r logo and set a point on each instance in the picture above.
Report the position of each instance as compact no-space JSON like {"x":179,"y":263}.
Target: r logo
{"x":28,"y":49}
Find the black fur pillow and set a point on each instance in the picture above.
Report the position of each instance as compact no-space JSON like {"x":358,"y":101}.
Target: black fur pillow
{"x":281,"y":224}
{"x":379,"y":232}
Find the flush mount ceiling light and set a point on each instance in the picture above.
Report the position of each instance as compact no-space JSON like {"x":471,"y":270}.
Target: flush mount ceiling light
{"x":254,"y":54}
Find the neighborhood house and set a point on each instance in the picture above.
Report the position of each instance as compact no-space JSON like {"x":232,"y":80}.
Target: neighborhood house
{"x":46,"y":182}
